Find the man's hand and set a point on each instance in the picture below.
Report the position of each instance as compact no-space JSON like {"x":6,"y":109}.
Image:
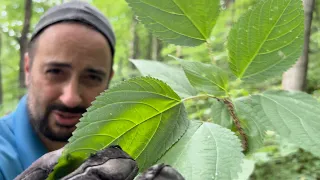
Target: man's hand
{"x":110,"y":163}
{"x":160,"y":172}
{"x":41,"y":168}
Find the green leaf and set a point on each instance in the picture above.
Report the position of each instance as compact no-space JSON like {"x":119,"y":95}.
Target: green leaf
{"x":171,"y":75}
{"x":206,"y":151}
{"x":180,"y":22}
{"x":267,"y":40}
{"x":293,"y":115}
{"x":220,"y":114}
{"x":207,"y":78}
{"x":247,"y":169}
{"x":142,"y":115}
{"x":286,"y":148}
{"x":254,"y":121}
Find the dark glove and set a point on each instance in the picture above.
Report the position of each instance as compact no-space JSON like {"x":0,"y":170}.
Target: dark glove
{"x":41,"y":168}
{"x":160,"y":172}
{"x":111,"y":163}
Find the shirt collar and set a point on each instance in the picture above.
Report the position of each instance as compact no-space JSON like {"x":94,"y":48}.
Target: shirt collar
{"x":29,"y":146}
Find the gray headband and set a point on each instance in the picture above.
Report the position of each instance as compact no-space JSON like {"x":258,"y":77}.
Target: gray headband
{"x":81,"y":12}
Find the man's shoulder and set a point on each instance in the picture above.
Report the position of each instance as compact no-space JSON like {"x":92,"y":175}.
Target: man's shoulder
{"x":6,"y":129}
{"x":10,"y":164}
{"x":6,"y":124}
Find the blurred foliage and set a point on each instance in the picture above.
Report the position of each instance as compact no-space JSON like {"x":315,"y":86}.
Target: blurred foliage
{"x":299,"y":165}
{"x":279,"y":159}
{"x":314,"y":61}
{"x":276,"y":160}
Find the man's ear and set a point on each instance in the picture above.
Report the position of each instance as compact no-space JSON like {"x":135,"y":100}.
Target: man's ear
{"x":27,"y":68}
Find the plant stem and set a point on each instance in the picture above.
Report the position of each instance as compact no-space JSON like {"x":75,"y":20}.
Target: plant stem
{"x":232,"y":112}
{"x":202,"y":96}
{"x":209,"y":46}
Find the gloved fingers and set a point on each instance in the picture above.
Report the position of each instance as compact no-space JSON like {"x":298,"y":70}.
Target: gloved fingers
{"x":110,"y":163}
{"x":41,"y":168}
{"x":160,"y":172}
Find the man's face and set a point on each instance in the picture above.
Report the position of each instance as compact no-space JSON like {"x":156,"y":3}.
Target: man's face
{"x":71,"y":66}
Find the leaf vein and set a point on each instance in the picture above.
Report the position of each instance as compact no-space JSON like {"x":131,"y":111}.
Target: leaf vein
{"x":258,"y":49}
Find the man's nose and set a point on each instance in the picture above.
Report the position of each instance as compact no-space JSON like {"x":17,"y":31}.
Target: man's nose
{"x":71,"y":95}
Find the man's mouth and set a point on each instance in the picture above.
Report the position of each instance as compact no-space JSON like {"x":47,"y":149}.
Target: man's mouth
{"x":65,"y":118}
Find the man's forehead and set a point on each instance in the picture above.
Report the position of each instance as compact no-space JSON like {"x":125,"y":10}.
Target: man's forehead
{"x":75,"y":37}
{"x":73,"y":43}
{"x":71,"y":29}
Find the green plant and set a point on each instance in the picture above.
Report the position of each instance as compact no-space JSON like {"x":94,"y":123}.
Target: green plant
{"x":146,"y":116}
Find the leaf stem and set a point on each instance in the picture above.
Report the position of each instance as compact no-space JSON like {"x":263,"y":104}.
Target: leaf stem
{"x":202,"y":96}
{"x":232,"y":112}
{"x":209,"y":46}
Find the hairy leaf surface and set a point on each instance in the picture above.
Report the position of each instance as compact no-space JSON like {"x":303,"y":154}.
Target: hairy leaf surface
{"x":247,"y":170}
{"x":207,"y":78}
{"x":293,"y":115}
{"x":253,"y":120}
{"x":171,"y":75}
{"x":181,"y":22}
{"x":221,"y":115}
{"x":142,"y":115}
{"x":267,"y":40}
{"x":206,"y":151}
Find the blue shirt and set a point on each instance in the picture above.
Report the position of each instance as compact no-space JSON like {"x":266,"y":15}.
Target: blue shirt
{"x":19,"y":144}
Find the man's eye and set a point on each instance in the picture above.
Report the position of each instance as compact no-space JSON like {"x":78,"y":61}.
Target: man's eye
{"x":54,"y":71}
{"x":95,"y":78}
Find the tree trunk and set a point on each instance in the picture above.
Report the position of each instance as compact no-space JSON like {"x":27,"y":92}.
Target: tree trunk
{"x":296,"y":77}
{"x":159,"y":49}
{"x":120,"y":68}
{"x":149,"y":47}
{"x":23,"y":40}
{"x":134,"y":46}
{"x":179,"y":52}
{"x":134,"y":52}
{"x":1,"y":92}
{"x":156,"y":49}
{"x":228,"y":3}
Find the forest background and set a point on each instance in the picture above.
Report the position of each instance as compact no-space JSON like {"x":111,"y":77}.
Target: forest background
{"x":276,"y":160}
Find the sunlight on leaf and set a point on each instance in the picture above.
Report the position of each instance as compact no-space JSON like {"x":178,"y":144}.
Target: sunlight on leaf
{"x":180,"y":22}
{"x":142,"y":115}
{"x":267,"y":40}
{"x":206,"y":78}
{"x":171,"y":75}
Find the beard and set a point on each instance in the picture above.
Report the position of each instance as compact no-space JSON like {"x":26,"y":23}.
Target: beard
{"x":41,"y":123}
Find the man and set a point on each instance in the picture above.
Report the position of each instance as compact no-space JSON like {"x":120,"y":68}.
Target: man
{"x":68,"y":64}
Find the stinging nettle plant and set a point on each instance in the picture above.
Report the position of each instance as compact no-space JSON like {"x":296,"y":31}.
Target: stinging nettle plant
{"x":147,"y":117}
